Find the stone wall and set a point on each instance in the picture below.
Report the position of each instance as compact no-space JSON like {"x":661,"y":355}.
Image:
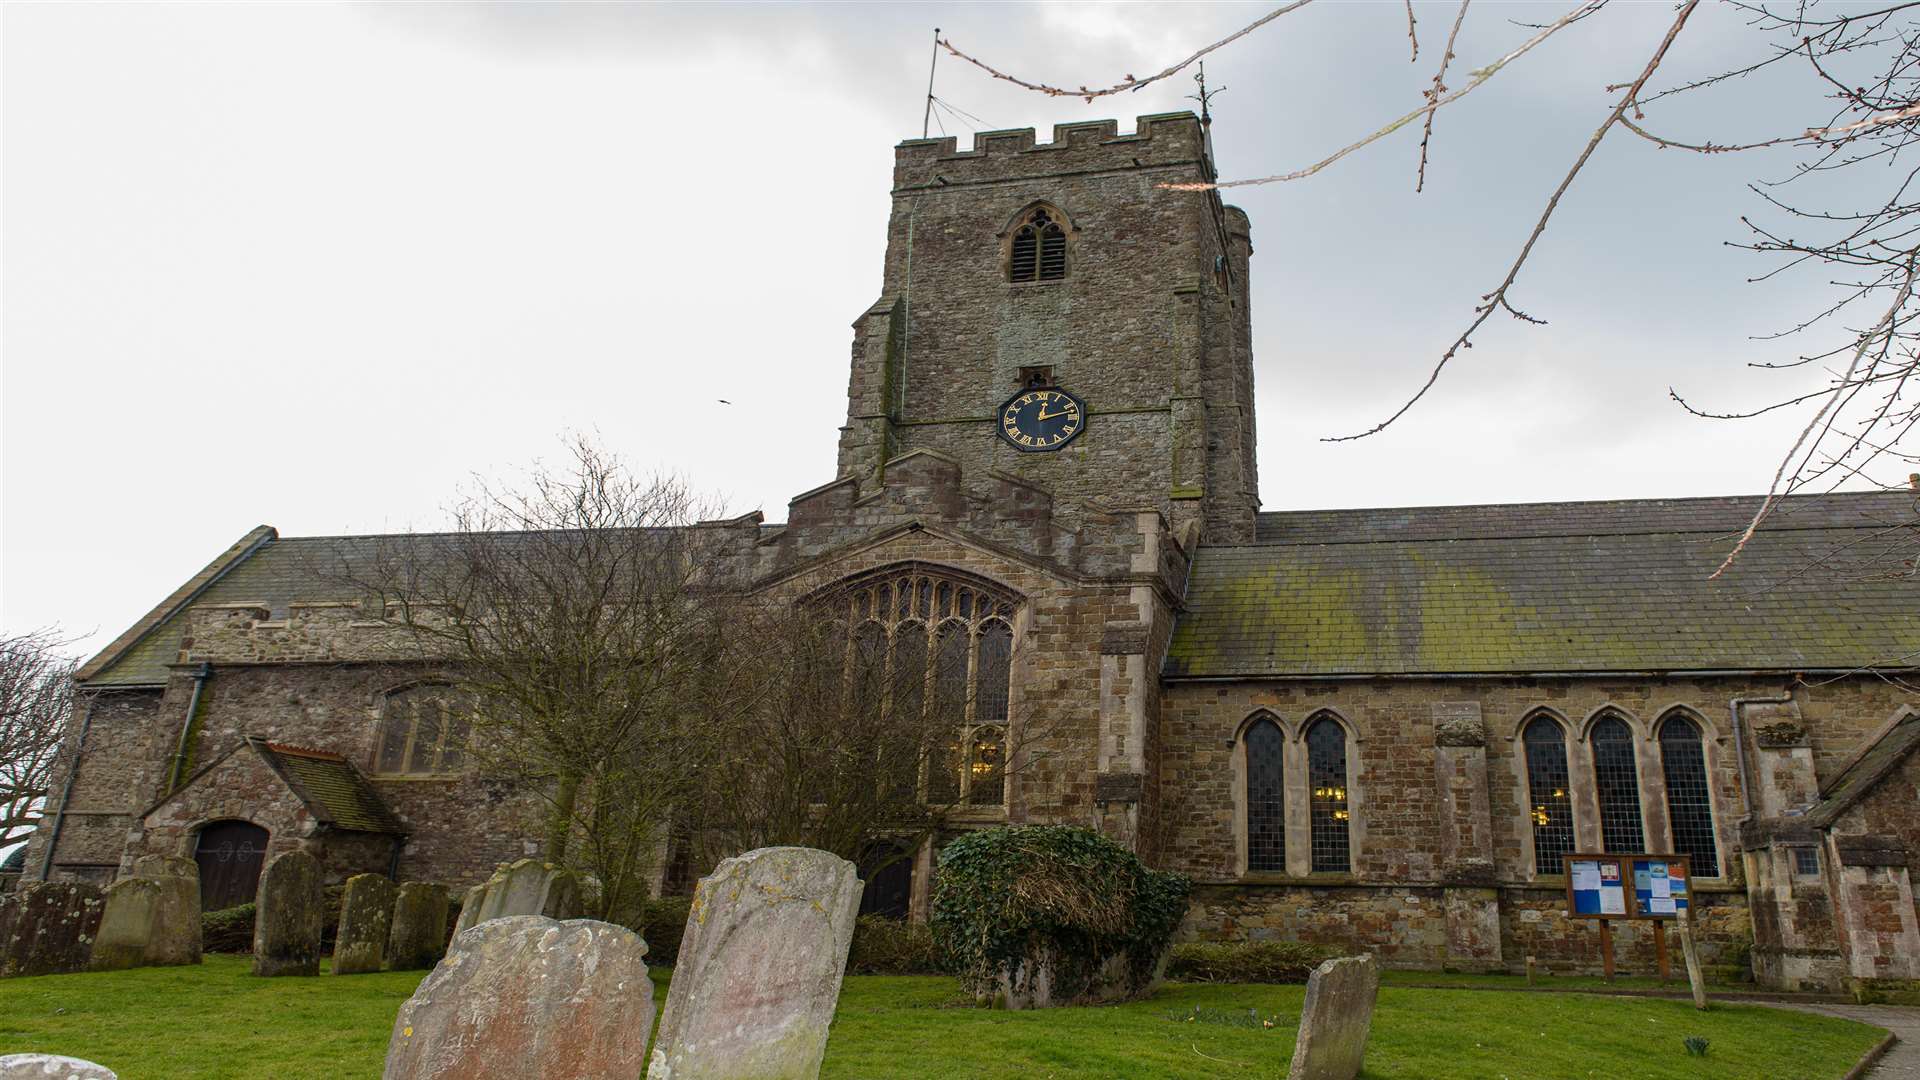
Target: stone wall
{"x":109,"y":789}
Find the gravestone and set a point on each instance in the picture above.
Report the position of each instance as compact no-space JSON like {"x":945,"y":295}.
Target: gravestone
{"x":530,"y":998}
{"x":48,"y":928}
{"x":527,"y":887}
{"x":127,"y":919}
{"x":759,"y":969}
{"x":470,"y":909}
{"x":366,"y":918}
{"x":51,"y":1067}
{"x":176,"y":925}
{"x":289,"y":909}
{"x":1335,"y":1020}
{"x":419,"y":932}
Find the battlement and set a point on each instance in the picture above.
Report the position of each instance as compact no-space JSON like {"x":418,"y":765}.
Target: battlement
{"x":1158,"y":140}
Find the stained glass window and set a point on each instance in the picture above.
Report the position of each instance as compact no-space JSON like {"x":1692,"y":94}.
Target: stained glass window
{"x":1549,"y":795}
{"x":1617,"y":782}
{"x":423,"y":731}
{"x":1689,"y":801}
{"x":1266,"y":797}
{"x":1327,"y":773}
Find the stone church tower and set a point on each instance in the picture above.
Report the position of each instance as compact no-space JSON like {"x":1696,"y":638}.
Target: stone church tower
{"x":1067,"y":264}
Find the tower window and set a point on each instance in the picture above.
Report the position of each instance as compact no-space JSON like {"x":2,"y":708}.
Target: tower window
{"x":1039,"y":249}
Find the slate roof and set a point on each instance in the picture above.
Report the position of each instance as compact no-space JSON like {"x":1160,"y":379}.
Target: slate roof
{"x":1595,"y":587}
{"x":1866,"y":772}
{"x":331,"y":787}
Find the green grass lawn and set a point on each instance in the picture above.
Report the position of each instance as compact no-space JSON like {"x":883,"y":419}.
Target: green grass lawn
{"x":217,"y":1021}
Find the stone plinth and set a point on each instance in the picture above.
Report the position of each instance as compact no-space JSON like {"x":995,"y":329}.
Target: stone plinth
{"x":759,"y":969}
{"x":530,"y":998}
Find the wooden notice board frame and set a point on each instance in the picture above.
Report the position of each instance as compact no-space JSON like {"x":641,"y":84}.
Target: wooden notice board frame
{"x":1624,"y":880}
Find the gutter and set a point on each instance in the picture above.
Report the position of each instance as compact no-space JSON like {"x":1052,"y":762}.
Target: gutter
{"x":1483,"y":675}
{"x":66,"y":791}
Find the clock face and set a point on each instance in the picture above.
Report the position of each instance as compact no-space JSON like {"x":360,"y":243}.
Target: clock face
{"x":1042,"y":419}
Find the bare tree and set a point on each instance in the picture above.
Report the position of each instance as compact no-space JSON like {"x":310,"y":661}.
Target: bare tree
{"x":577,"y":616}
{"x":1858,"y":378}
{"x":36,"y":699}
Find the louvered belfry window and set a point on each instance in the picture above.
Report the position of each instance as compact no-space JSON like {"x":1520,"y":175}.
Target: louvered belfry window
{"x":1039,"y":249}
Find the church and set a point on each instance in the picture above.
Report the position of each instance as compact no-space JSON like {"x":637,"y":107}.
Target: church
{"x":1386,"y":730}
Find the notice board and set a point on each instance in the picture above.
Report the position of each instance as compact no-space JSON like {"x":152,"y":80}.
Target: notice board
{"x":1597,"y":887}
{"x":1660,"y":885}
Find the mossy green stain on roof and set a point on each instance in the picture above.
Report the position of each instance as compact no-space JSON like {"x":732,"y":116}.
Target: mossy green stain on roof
{"x":1542,"y":601}
{"x":332,"y":788}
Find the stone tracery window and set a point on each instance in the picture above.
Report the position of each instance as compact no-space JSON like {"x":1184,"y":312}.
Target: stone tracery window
{"x":1266,"y":797}
{"x":1617,"y":783}
{"x":936,"y":649}
{"x":1550,"y":794}
{"x":1327,"y":772}
{"x":423,"y":731}
{"x":1039,"y":248}
{"x":1683,"y":760}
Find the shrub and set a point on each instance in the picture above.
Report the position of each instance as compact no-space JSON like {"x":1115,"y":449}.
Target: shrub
{"x":229,"y":930}
{"x":883,"y":946}
{"x":1246,"y":961}
{"x":1008,"y":895}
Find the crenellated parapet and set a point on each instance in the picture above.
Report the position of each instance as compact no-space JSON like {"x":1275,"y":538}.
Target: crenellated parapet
{"x":1161,"y":139}
{"x":311,"y":632}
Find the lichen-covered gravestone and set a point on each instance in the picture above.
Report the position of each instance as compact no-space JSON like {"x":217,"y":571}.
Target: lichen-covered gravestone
{"x":51,"y":1067}
{"x":1335,"y":1020}
{"x":759,"y":969}
{"x":530,"y":998}
{"x":289,"y":909}
{"x":419,"y":932}
{"x":48,"y":928}
{"x":366,"y":917}
{"x":176,"y":921}
{"x":126,"y":924}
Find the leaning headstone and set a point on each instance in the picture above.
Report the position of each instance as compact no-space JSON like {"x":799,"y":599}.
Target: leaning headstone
{"x":126,"y":924}
{"x":531,"y":998}
{"x":48,"y":928}
{"x":759,"y":970}
{"x":527,"y":887}
{"x":289,"y":909}
{"x":51,"y":1067}
{"x":419,"y":932}
{"x":1335,"y":1020}
{"x":165,"y":866}
{"x":366,"y":917}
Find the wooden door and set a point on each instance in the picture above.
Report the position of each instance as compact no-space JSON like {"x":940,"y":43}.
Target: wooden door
{"x":889,"y":875}
{"x":230,"y":854}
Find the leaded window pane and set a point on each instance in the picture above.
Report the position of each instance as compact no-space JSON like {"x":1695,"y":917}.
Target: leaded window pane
{"x":1689,"y":802}
{"x":1327,"y":772}
{"x":1617,"y":782}
{"x":1266,"y":798}
{"x":950,"y":711}
{"x":987,"y":786}
{"x":1549,"y":796}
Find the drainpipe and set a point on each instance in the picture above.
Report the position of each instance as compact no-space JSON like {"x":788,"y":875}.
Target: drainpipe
{"x":186,"y":728}
{"x":1740,"y":746}
{"x":66,"y":792}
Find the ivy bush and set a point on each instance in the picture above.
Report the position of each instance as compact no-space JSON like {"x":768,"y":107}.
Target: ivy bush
{"x":1008,"y":896}
{"x":1246,"y":961}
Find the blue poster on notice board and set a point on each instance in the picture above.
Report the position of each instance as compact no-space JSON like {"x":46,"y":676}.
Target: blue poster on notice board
{"x":1660,"y":887}
{"x":1596,"y":887}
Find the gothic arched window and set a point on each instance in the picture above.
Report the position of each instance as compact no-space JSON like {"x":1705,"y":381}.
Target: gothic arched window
{"x":1683,"y":760}
{"x":946,"y":645}
{"x":1327,"y":773}
{"x":1549,"y":795}
{"x":1039,"y":249}
{"x":1265,"y":747}
{"x":423,"y":731}
{"x":1617,"y":782}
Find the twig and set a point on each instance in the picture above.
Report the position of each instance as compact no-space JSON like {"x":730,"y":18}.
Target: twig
{"x":1412,"y":36}
{"x":1129,"y":83}
{"x":1498,"y":297}
{"x":1433,"y":94}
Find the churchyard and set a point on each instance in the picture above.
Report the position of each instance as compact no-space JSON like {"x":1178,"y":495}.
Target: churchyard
{"x":219,"y":1022}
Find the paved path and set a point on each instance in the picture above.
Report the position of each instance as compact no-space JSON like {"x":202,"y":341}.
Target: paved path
{"x":1903,"y":1061}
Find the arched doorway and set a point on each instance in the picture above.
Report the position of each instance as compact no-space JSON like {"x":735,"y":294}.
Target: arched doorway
{"x":888,"y":871}
{"x":230,"y":854}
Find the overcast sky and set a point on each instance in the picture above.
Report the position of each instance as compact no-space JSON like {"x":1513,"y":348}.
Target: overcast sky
{"x":313,"y":265}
